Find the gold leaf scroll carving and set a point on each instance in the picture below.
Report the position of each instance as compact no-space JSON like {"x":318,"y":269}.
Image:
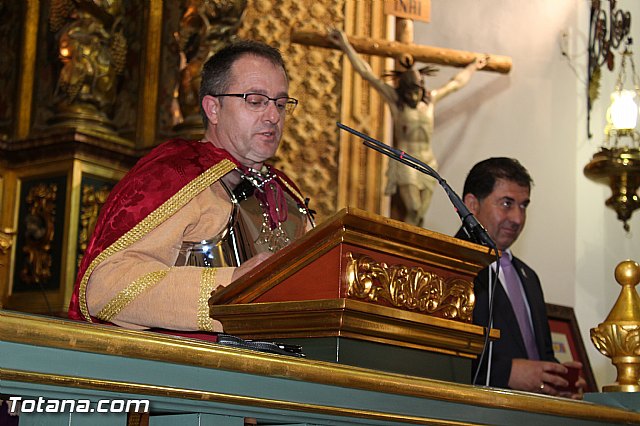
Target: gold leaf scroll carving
{"x":409,"y":288}
{"x":617,"y":339}
{"x":38,"y":233}
{"x":92,"y":201}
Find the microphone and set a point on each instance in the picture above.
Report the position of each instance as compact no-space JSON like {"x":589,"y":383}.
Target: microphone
{"x":469,"y":223}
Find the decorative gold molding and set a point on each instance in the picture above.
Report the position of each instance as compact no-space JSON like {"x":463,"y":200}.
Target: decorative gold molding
{"x":410,"y":288}
{"x":225,"y":398}
{"x":361,"y":174}
{"x":80,"y":336}
{"x":353,"y":319}
{"x":28,"y":63}
{"x":149,"y":102}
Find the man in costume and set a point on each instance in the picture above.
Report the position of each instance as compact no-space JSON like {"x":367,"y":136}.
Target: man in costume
{"x":412,"y":109}
{"x":497,"y":192}
{"x":135,"y":272}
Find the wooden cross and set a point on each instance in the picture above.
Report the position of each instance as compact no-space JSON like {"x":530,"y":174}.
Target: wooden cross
{"x":400,"y":49}
{"x":404,"y":51}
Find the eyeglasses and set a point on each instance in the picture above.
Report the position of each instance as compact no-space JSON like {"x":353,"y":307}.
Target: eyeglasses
{"x":257,"y":102}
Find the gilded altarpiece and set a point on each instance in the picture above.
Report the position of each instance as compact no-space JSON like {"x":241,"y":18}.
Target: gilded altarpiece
{"x":88,"y":148}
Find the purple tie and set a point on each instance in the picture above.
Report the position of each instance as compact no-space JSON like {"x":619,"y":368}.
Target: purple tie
{"x":519,"y":307}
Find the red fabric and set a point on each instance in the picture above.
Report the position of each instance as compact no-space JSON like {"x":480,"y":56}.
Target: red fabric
{"x":151,"y":182}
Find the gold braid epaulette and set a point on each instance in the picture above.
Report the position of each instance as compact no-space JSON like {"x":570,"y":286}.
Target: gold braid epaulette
{"x":155,"y":218}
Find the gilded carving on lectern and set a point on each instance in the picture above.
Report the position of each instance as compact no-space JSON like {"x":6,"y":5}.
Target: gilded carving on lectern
{"x":92,"y":200}
{"x":39,"y":226}
{"x":92,"y":50}
{"x":206,"y":26}
{"x":410,"y":288}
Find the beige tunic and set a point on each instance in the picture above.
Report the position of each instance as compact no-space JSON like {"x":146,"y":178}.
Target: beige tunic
{"x":179,"y":301}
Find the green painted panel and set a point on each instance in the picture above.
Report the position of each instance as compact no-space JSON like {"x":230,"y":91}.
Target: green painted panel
{"x":76,"y":419}
{"x":394,"y":359}
{"x":195,"y":420}
{"x":327,"y":398}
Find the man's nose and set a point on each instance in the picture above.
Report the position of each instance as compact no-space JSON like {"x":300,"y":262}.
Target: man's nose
{"x":518,"y":215}
{"x":272,"y":114}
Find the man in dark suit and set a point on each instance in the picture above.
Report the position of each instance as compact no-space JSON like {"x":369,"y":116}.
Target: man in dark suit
{"x":497,"y":192}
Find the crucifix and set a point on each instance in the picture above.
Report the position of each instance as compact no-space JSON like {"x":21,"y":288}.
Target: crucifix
{"x":410,"y":103}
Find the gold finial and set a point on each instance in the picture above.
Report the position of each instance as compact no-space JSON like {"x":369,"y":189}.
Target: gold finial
{"x":617,"y":337}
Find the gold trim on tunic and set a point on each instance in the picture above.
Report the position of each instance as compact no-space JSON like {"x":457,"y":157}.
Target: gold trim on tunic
{"x":207,"y":284}
{"x":155,"y":218}
{"x":128,"y":294}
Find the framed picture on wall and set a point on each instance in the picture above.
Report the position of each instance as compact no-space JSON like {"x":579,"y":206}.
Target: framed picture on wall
{"x":567,"y":341}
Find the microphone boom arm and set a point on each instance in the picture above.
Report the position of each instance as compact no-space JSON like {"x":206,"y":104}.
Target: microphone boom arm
{"x":470,"y":224}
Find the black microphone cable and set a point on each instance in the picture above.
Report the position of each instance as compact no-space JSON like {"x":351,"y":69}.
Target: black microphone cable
{"x":485,"y":345}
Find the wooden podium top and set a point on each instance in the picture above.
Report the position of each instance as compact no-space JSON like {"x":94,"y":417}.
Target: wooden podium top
{"x":366,"y":278}
{"x":364,"y":256}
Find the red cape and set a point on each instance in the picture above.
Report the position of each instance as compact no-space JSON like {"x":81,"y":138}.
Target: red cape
{"x":152,"y":181}
{"x":156,"y":178}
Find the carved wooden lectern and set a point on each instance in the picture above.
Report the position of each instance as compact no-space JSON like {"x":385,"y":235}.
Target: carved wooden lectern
{"x":365,"y":290}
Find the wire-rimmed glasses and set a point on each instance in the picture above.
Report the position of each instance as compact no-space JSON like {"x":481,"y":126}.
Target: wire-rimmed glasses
{"x":257,"y":102}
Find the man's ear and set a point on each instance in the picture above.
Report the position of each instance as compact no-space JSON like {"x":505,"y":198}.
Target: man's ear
{"x":210,"y":106}
{"x":472,"y":203}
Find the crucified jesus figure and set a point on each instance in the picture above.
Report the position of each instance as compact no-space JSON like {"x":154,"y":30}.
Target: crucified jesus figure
{"x":412,"y":110}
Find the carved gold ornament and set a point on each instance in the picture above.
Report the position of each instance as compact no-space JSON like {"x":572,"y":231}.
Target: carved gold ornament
{"x":92,"y":201}
{"x":618,"y":337}
{"x":38,"y":233}
{"x":205,"y":27}
{"x":92,"y":51}
{"x":409,"y":288}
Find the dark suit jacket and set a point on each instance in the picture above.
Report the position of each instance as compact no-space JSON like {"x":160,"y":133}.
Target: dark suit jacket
{"x":511,"y":344}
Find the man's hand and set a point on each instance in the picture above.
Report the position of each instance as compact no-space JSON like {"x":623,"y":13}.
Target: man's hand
{"x":250,"y":264}
{"x":580,"y":384}
{"x":537,"y":376}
